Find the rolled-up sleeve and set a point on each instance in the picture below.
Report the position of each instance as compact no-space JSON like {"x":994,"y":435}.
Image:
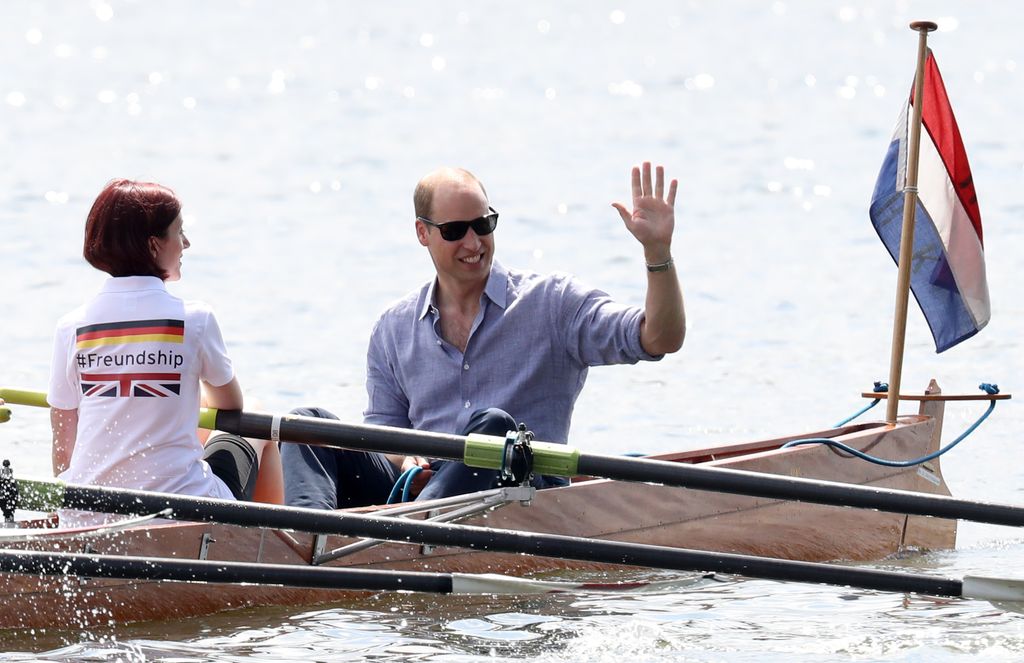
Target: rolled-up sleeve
{"x":597,"y":330}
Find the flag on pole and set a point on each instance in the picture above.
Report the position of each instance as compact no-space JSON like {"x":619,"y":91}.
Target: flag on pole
{"x":948,"y":269}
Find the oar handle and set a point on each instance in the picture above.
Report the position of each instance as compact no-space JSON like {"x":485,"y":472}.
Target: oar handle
{"x":207,"y":417}
{"x":24,"y":397}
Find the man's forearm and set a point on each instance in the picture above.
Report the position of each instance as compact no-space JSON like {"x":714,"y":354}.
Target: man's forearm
{"x":664,"y":325}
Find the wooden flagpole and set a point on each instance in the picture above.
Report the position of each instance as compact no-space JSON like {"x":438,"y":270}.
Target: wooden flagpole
{"x":899,"y":331}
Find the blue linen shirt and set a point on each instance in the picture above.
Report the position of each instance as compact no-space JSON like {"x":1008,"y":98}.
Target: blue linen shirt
{"x":529,"y":349}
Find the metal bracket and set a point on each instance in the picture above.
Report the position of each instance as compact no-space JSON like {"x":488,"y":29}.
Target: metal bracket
{"x":319,"y":546}
{"x":445,"y":510}
{"x":259,"y":551}
{"x":517,"y":458}
{"x":8,"y":494}
{"x":432,"y":516}
{"x":204,"y":545}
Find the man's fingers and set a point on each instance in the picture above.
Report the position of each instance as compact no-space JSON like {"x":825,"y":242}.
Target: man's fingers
{"x":671,"y":200}
{"x":647,"y":188}
{"x":623,"y":212}
{"x":659,"y":182}
{"x":638,"y":192}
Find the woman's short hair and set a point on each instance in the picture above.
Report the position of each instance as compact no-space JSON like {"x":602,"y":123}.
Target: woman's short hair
{"x":123,"y":218}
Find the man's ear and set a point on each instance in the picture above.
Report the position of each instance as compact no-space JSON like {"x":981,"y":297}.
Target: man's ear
{"x":421,"y":233}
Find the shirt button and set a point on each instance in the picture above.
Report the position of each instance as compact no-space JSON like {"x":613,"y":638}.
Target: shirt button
{"x":466,"y":405}
{"x":439,"y":342}
{"x":465,"y":367}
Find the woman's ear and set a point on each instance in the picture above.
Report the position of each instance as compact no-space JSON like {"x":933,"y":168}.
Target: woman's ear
{"x":154,"y":246}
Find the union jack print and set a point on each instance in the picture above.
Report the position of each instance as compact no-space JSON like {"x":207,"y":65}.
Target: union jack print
{"x":124,"y":385}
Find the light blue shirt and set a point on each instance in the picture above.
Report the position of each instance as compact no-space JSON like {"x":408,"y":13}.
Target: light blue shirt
{"x":528,"y":352}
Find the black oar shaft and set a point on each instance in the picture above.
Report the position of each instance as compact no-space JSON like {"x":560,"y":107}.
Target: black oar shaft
{"x":160,"y":568}
{"x":772,"y":486}
{"x":332,"y":433}
{"x":498,"y":540}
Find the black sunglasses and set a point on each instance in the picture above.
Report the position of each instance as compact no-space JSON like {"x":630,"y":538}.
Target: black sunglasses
{"x":453,"y":231}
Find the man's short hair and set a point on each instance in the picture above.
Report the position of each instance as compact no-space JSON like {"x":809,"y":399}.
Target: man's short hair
{"x":423,"y":196}
{"x":122,"y":219}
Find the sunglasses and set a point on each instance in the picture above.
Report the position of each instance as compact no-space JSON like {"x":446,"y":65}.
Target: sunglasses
{"x":453,"y":231}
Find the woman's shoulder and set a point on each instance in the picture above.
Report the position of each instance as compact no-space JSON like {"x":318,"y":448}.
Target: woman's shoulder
{"x":72,"y":318}
{"x":198,"y":313}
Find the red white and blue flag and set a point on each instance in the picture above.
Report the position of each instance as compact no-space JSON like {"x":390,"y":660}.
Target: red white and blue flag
{"x":124,"y":385}
{"x":948,"y":268}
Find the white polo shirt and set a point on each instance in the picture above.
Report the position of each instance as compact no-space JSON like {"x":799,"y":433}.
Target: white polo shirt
{"x":130,"y":362}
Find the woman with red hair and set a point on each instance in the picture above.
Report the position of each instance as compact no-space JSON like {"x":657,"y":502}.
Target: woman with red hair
{"x":132,"y":366}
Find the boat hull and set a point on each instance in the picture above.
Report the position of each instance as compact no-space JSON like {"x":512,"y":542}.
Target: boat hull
{"x":593,"y":508}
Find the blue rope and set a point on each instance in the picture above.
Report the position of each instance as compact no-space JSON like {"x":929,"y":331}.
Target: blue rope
{"x":403,"y":484}
{"x":990,"y":389}
{"x":880,"y":387}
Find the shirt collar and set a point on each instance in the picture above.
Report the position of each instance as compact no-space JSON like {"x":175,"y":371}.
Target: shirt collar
{"x":497,"y":284}
{"x":132,"y":283}
{"x":496,"y":289}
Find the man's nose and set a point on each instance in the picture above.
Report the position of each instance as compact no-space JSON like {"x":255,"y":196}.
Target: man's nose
{"x":471,"y":239}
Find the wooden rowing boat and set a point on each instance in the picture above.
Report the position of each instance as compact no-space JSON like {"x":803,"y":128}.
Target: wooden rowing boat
{"x":592,"y":508}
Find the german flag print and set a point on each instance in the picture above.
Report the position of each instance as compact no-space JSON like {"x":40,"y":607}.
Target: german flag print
{"x":134,"y":331}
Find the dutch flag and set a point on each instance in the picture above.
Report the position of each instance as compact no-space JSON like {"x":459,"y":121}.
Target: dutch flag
{"x":948,"y":269}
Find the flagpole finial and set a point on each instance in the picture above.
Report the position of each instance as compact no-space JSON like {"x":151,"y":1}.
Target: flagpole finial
{"x":924,"y":26}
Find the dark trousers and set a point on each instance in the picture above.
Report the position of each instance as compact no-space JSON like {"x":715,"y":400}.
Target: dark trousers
{"x":327,"y":478}
{"x":233,"y":460}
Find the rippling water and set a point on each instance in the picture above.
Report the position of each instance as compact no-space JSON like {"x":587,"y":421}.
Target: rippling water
{"x":295,"y":133}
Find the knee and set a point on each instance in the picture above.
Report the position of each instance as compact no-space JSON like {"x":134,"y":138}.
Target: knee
{"x":318,"y":412}
{"x":490,"y":421}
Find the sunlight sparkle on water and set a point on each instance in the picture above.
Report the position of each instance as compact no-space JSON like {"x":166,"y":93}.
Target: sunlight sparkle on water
{"x":700,"y":82}
{"x":625,"y":89}
{"x":847,"y":14}
{"x":794,"y":163}
{"x":104,"y":12}
{"x":277,"y":82}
